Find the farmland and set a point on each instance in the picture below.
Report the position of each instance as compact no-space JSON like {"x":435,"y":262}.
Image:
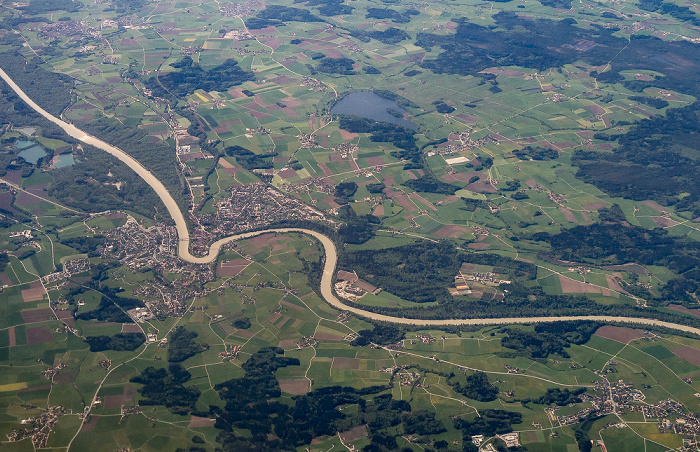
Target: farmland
{"x":503,"y":174}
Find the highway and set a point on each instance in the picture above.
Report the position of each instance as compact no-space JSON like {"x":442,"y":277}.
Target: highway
{"x":331,"y":258}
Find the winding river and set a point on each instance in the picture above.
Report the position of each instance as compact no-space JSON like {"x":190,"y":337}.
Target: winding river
{"x":331,"y":257}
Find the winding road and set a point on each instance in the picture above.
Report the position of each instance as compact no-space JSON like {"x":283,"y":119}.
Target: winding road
{"x":331,"y":257}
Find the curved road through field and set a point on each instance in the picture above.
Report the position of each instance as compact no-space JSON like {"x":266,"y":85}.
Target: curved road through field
{"x":328,"y":245}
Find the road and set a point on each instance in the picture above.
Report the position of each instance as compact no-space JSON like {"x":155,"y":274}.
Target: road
{"x":331,"y":257}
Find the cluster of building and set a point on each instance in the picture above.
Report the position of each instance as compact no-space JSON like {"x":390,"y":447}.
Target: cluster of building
{"x":345,"y":149}
{"x":230,"y":351}
{"x":55,"y":30}
{"x":52,"y":371}
{"x":409,"y":379}
{"x":556,"y":198}
{"x":466,"y":143}
{"x":486,"y":278}
{"x":256,"y":205}
{"x":425,"y":338}
{"x":41,"y":426}
{"x":307,"y":141}
{"x":316,"y":184}
{"x":314,"y":84}
{"x":140,"y":315}
{"x":70,"y":268}
{"x":307,"y":341}
{"x":240,"y":9}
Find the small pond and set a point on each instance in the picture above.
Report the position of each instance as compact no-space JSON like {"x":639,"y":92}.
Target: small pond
{"x":23,"y":144}
{"x":371,"y":106}
{"x":64,"y":160}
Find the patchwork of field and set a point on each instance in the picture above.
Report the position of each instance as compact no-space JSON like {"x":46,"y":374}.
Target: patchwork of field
{"x":492,"y":163}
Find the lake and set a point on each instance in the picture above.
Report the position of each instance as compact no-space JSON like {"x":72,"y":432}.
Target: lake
{"x":32,"y":154}
{"x":368,"y":105}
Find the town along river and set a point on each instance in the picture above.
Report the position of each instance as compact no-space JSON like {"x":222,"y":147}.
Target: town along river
{"x":368,"y":105}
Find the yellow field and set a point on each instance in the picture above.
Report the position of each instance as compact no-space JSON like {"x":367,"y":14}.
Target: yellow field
{"x":13,"y":386}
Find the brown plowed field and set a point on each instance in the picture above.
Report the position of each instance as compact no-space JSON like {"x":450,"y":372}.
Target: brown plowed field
{"x":690,"y":354}
{"x":619,"y":333}
{"x":38,"y":335}
{"x":451,"y":231}
{"x":296,"y":386}
{"x":345,"y":363}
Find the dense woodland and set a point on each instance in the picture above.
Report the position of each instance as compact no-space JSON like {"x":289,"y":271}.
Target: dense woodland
{"x":191,"y":76}
{"x":119,"y":342}
{"x":357,"y":229}
{"x":477,"y":387}
{"x":342,"y":66}
{"x":276,"y":15}
{"x":400,"y":137}
{"x":182,"y":345}
{"x":431,"y":184}
{"x":679,"y":12}
{"x":112,"y":307}
{"x":251,"y":403}
{"x":391,"y":14}
{"x":536,"y":153}
{"x":391,"y":35}
{"x":618,"y":242}
{"x":542,"y":44}
{"x":165,"y":387}
{"x":248,"y":159}
{"x":50,"y":90}
{"x":657,"y":159}
{"x":88,"y":186}
{"x":44,"y":7}
{"x":329,"y":7}
{"x":421,"y":272}
{"x":548,"y":338}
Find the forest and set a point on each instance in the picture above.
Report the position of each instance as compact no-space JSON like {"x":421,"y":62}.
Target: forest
{"x":112,"y":308}
{"x":477,"y":387}
{"x":357,"y":228}
{"x":191,"y":76}
{"x":391,"y":35}
{"x":248,"y":159}
{"x":88,"y":186}
{"x":119,"y":342}
{"x":251,"y":404}
{"x":548,"y":338}
{"x":656,"y":159}
{"x":430,"y":184}
{"x":489,"y":423}
{"x":621,"y":243}
{"x":50,"y":90}
{"x":679,"y":12}
{"x":157,"y":156}
{"x":342,"y":66}
{"x":400,"y":137}
{"x":543,"y":43}
{"x":276,"y":15}
{"x":419,"y":272}
{"x":536,"y":153}
{"x":165,"y":387}
{"x":391,"y":14}
{"x":182,"y":345}
{"x":329,"y":7}
{"x":44,"y":7}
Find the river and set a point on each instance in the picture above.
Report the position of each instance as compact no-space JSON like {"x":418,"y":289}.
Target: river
{"x":331,"y":257}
